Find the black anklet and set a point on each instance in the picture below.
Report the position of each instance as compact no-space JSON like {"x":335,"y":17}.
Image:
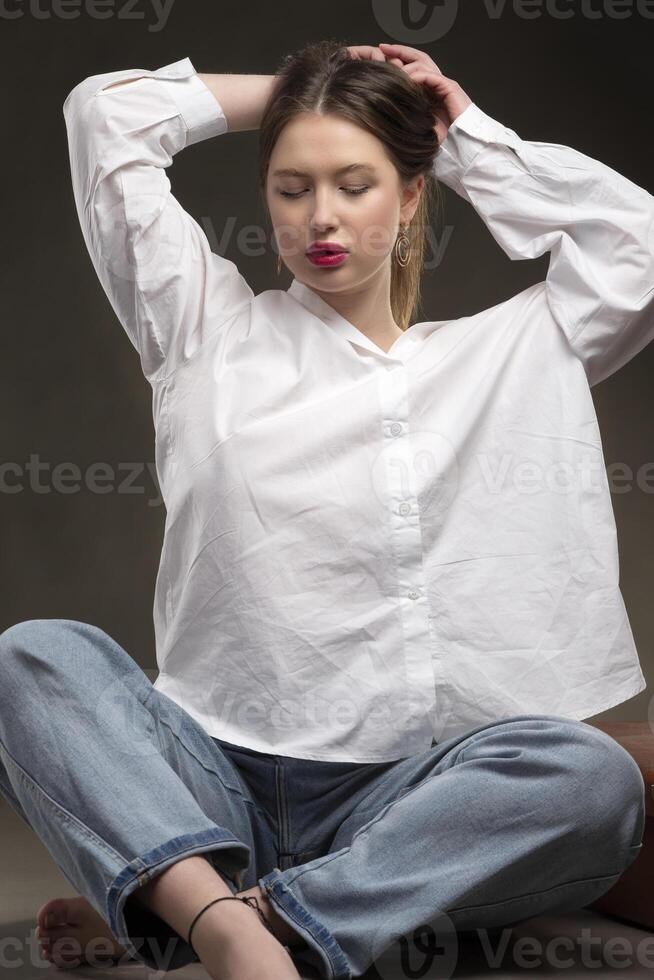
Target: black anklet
{"x":231,"y":898}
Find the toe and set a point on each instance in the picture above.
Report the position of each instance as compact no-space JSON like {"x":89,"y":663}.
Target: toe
{"x":53,"y":913}
{"x":66,"y":953}
{"x":52,"y":935}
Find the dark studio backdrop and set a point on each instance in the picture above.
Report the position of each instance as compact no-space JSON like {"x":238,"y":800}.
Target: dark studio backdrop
{"x":73,"y":395}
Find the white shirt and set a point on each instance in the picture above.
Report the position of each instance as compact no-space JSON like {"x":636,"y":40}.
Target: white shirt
{"x":365,"y":551}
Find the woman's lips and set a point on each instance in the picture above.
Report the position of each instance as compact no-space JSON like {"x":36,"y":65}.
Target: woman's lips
{"x":327,"y":258}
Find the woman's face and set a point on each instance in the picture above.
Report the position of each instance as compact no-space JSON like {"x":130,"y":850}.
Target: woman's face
{"x":315,"y":199}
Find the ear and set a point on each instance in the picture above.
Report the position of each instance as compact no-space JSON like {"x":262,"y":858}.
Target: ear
{"x":411,"y":199}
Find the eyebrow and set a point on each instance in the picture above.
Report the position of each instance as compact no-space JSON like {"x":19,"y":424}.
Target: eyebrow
{"x":292,"y":172}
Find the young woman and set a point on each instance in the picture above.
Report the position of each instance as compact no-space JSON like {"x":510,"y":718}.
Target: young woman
{"x":388,"y":593}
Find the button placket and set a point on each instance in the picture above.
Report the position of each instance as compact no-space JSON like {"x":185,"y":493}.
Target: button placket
{"x":406,"y":537}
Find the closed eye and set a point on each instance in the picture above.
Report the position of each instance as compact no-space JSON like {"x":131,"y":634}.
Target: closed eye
{"x":348,"y":190}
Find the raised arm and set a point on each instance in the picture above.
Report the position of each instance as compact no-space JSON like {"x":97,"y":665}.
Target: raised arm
{"x":599,"y":227}
{"x":168,"y":289}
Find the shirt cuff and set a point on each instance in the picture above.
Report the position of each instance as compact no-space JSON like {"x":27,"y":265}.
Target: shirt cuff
{"x":202,"y":114}
{"x":471,"y":132}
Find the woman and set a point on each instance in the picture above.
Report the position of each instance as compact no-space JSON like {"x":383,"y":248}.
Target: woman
{"x":349,"y":572}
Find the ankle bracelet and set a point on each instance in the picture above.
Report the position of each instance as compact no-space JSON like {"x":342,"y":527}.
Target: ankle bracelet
{"x":250,"y":900}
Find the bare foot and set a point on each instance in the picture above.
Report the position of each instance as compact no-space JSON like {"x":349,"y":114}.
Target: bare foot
{"x":71,"y":932}
{"x":87,"y":936}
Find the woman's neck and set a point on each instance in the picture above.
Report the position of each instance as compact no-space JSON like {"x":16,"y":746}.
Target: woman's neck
{"x":368,"y":308}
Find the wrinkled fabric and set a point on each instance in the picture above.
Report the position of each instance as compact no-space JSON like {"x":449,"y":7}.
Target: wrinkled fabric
{"x":366,"y":550}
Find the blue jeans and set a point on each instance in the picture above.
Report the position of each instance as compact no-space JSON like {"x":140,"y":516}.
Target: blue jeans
{"x":532,"y":814}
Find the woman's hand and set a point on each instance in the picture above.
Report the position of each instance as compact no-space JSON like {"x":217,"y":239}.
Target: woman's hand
{"x":424,"y":71}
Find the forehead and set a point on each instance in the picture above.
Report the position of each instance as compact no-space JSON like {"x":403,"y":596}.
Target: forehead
{"x":310,"y":143}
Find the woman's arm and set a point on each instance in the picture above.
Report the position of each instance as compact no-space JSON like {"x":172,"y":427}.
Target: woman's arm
{"x":539,"y":197}
{"x":598,"y":226}
{"x":242,"y":97}
{"x":167,"y":287}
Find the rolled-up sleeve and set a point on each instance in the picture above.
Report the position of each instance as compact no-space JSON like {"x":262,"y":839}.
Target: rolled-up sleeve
{"x":166,"y":286}
{"x":598,"y":226}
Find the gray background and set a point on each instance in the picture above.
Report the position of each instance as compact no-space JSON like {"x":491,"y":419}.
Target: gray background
{"x":72,"y":390}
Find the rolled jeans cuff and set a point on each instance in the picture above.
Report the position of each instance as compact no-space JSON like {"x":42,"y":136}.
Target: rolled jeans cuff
{"x":324,"y":952}
{"x":145,"y":936}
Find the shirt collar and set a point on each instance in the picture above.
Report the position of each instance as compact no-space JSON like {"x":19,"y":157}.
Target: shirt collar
{"x":316,"y":305}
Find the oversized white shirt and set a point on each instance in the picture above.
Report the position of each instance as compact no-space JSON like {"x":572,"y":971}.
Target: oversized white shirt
{"x":365,"y":551}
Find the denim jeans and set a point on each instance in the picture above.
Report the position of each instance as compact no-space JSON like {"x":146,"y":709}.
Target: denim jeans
{"x":528,"y":815}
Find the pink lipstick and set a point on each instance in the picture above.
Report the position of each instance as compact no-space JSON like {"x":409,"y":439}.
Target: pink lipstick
{"x":326,"y":258}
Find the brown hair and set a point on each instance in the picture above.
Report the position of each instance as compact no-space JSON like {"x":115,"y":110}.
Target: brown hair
{"x":323,"y":77}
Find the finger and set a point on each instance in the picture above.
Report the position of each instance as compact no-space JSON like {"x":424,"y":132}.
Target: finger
{"x":412,"y":66}
{"x":413,"y":55}
{"x":418,"y":66}
{"x":404,"y":51}
{"x":358,"y":51}
{"x":436,"y":81}
{"x":365,"y":51}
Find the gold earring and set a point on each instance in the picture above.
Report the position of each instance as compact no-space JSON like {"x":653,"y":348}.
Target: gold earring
{"x":402,"y":249}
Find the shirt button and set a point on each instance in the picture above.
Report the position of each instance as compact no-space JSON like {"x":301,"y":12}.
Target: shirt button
{"x":405,"y":508}
{"x":396,"y":428}
{"x":413,"y":594}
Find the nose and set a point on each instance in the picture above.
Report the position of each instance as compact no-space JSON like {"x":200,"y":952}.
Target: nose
{"x":324,"y":212}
